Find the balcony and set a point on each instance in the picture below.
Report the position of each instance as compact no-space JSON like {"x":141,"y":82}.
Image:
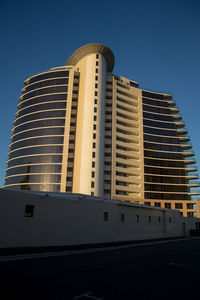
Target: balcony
{"x":182,"y":131}
{"x":180,"y":124}
{"x":177,"y":117}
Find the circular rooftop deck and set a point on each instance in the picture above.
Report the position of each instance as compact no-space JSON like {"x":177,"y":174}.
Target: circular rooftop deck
{"x":92,"y":48}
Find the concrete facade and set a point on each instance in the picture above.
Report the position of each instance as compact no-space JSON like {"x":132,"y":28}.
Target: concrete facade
{"x":38,"y":219}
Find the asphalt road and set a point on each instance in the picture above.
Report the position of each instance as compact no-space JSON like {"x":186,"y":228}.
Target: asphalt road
{"x":169,"y":270}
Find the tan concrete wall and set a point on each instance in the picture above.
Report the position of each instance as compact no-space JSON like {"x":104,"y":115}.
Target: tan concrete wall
{"x":69,"y":219}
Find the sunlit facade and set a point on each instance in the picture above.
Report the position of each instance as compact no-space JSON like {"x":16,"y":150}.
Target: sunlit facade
{"x":82,"y":129}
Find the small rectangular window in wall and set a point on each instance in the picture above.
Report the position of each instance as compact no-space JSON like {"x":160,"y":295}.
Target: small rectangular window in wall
{"x":93,"y":154}
{"x":93,"y":164}
{"x":95,"y":93}
{"x":167,"y":205}
{"x":95,"y":101}
{"x":94,"y":127}
{"x":96,"y":77}
{"x":97,"y":56}
{"x":105,"y":216}
{"x":93,"y":145}
{"x":179,"y":205}
{"x":158,"y":204}
{"x":96,"y":85}
{"x":92,"y":184}
{"x":93,"y":174}
{"x":97,"y":63}
{"x":29,"y":210}
{"x":122,"y":217}
{"x":95,"y":118}
{"x":94,"y":136}
{"x":97,"y":70}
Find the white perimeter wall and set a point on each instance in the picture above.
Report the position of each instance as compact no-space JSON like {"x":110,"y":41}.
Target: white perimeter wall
{"x":64,"y":219}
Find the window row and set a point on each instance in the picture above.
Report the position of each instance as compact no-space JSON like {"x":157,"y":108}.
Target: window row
{"x":155,"y":103}
{"x":47,"y":75}
{"x":36,"y":150}
{"x":46,"y":83}
{"x":152,"y":123}
{"x":42,"y":106}
{"x":42,"y":99}
{"x":39,"y":132}
{"x":158,"y":117}
{"x":43,"y":91}
{"x":157,"y":110}
{"x":164,"y":155}
{"x":29,"y":178}
{"x":41,"y":115}
{"x":47,"y":158}
{"x":165,"y":171}
{"x":166,"y":188}
{"x":160,"y":139}
{"x":165,"y":179}
{"x":49,"y":187}
{"x":155,"y":95}
{"x":162,"y":147}
{"x":160,"y":131}
{"x":42,"y":168}
{"x":164,"y":163}
{"x":166,"y":196}
{"x":40,"y":123}
{"x":57,"y":140}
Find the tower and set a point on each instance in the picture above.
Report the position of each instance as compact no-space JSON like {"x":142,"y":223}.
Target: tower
{"x":80,"y":128}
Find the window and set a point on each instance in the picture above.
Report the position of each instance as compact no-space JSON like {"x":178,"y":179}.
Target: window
{"x":95,"y":118}
{"x":96,"y":70}
{"x":95,"y":93}
{"x":190,"y":206}
{"x":94,"y":127}
{"x":149,"y":219}
{"x":147,"y":203}
{"x":159,"y":219}
{"x":93,"y":174}
{"x":191,"y":214}
{"x":122,"y":217}
{"x":92,"y":184}
{"x":97,"y":63}
{"x":29,"y":209}
{"x":158,"y":204}
{"x":93,"y":164}
{"x":96,"y":85}
{"x":179,"y":205}
{"x":105,"y":216}
{"x":95,"y":101}
{"x":167,"y":205}
{"x":97,"y":56}
{"x":95,"y":109}
{"x":137,"y":218}
{"x":92,"y":193}
{"x":94,"y":135}
{"x":93,"y":145}
{"x":93,"y":154}
{"x":96,"y":77}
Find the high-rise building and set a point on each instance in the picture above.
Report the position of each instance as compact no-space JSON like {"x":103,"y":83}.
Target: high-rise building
{"x":80,"y":128}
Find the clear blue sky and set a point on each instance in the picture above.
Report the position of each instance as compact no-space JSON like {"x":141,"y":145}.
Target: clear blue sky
{"x":156,"y":43}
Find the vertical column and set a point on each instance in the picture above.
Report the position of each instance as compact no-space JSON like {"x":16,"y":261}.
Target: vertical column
{"x":89,"y":147}
{"x":66,"y":132}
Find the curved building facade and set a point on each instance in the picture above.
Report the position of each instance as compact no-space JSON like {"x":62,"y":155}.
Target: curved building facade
{"x":82,"y":129}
